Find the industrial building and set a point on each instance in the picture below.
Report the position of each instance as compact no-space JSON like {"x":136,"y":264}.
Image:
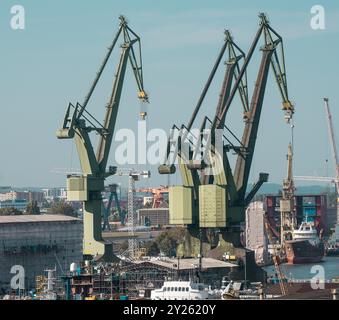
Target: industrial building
{"x":256,"y":236}
{"x":55,"y":193}
{"x":38,"y":242}
{"x":16,"y":204}
{"x":22,"y":195}
{"x":145,"y":275}
{"x":155,"y":216}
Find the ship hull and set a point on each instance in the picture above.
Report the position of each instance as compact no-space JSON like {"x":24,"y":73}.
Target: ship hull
{"x":302,"y":251}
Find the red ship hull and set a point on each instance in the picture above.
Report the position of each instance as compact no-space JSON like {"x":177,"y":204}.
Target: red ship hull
{"x":299,"y":252}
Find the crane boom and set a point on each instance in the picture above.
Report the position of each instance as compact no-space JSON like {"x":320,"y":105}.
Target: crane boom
{"x":88,"y":186}
{"x":332,"y":140}
{"x":269,"y":58}
{"x":334,"y":152}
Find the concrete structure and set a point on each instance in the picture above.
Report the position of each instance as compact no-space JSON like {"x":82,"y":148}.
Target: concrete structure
{"x":38,"y":242}
{"x":156,"y":216}
{"x":256,"y":237}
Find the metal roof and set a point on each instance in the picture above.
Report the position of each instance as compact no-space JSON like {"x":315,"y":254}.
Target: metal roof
{"x":36,"y":218}
{"x":192,"y":263}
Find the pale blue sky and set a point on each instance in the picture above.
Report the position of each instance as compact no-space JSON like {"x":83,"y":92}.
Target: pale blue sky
{"x":54,"y":60}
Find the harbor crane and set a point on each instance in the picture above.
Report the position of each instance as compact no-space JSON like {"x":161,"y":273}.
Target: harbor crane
{"x":79,"y":123}
{"x":334,"y":153}
{"x":287,"y":210}
{"x":188,"y":166}
{"x":219,"y":197}
{"x":335,"y":179}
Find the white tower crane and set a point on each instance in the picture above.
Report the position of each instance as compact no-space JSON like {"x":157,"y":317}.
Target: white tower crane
{"x":133,"y":176}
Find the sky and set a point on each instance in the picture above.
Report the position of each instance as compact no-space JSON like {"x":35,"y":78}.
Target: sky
{"x":53,"y":61}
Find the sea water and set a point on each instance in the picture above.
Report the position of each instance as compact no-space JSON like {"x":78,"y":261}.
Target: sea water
{"x":330,"y":269}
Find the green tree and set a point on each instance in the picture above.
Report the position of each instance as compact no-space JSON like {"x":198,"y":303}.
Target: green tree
{"x":33,"y":208}
{"x":10,"y":212}
{"x":62,"y":208}
{"x":168,"y":241}
{"x":151,"y":248}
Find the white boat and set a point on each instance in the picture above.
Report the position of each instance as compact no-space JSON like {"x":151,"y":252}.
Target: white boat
{"x":181,"y":290}
{"x":306,"y":231}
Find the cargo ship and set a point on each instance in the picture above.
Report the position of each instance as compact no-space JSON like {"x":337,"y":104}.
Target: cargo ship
{"x":306,"y":246}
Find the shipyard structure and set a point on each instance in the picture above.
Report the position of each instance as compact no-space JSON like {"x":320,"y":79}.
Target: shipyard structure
{"x":37,"y":243}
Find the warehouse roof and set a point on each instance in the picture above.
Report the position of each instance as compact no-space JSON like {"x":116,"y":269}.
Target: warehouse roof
{"x":36,"y":218}
{"x":192,"y":263}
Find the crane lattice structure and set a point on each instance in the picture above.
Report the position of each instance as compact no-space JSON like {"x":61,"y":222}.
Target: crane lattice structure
{"x":133,"y":176}
{"x":79,"y":123}
{"x":287,"y":210}
{"x":276,"y":260}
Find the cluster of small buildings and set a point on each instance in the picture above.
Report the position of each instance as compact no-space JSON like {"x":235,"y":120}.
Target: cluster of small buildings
{"x":19,"y":200}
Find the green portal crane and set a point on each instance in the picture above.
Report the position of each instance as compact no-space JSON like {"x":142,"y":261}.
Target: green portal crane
{"x":189,"y":167}
{"x":79,"y":123}
{"x":221,"y":200}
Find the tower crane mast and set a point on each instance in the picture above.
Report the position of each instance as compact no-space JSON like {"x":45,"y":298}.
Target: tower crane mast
{"x":79,"y":123}
{"x":334,"y":152}
{"x":133,"y":176}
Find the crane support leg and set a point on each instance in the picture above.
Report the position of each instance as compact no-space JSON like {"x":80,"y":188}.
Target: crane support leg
{"x":93,"y":243}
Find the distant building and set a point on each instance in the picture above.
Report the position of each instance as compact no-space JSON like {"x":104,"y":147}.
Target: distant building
{"x":155,"y":216}
{"x":4,"y":189}
{"x":38,"y":242}
{"x":14,"y":195}
{"x":16,"y":204}
{"x":148,"y":201}
{"x":29,"y":196}
{"x":52,"y":194}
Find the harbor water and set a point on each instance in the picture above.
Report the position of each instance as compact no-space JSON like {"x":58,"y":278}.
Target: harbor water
{"x":328,"y":268}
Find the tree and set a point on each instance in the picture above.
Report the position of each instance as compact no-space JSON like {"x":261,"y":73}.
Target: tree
{"x":151,"y":248}
{"x":168,"y":241}
{"x":33,"y":208}
{"x":63,"y":208}
{"x":10,"y":212}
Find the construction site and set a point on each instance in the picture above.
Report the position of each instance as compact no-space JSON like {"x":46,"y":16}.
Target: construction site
{"x":213,"y":227}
